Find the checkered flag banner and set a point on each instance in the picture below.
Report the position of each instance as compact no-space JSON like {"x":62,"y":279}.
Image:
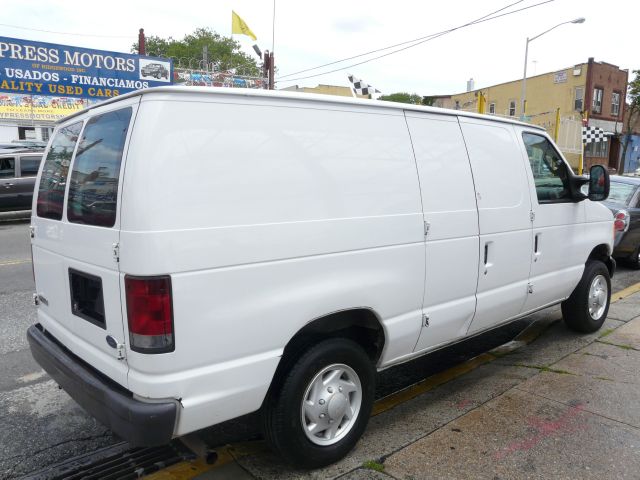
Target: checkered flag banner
{"x":593,"y":134}
{"x":360,"y":87}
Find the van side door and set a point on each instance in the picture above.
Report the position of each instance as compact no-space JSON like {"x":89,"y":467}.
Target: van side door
{"x":560,"y":245}
{"x":451,"y":227}
{"x":504,"y":210}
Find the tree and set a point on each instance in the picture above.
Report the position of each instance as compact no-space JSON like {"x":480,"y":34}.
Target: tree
{"x":402,"y":97}
{"x":633,"y":111}
{"x":224,"y":52}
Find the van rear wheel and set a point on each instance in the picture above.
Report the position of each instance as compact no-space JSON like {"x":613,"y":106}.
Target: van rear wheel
{"x":586,"y":309}
{"x":314,"y":415}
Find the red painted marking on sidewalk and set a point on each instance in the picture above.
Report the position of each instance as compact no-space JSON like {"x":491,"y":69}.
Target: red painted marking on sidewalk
{"x":545,"y":429}
{"x":463,"y":404}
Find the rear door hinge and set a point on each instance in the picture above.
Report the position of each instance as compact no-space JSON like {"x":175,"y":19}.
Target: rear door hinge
{"x":425,"y":320}
{"x":427,"y":226}
{"x":532,"y":215}
{"x":530,"y":287}
{"x":116,"y":252}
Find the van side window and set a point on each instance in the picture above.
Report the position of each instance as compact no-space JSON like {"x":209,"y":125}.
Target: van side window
{"x":7,"y":167}
{"x":54,"y":173}
{"x":93,"y":190}
{"x":549,"y":171}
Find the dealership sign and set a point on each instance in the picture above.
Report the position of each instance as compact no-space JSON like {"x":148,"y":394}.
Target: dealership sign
{"x":37,"y":68}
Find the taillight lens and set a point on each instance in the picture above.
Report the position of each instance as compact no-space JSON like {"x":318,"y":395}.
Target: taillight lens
{"x":150,"y":314}
{"x":621,"y":221}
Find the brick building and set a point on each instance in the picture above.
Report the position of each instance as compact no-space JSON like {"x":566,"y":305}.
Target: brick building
{"x":606,"y":88}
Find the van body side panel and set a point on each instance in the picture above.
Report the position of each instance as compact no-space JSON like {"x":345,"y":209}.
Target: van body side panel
{"x":504,"y":207}
{"x":268,"y":215}
{"x":449,"y":205}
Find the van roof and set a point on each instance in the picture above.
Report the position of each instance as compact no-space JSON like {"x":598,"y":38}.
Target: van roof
{"x":307,"y":97}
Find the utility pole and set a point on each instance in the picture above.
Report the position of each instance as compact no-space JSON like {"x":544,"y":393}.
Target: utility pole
{"x":142,"y":50}
{"x":268,"y":69}
{"x":271,"y":71}
{"x":205,"y":56}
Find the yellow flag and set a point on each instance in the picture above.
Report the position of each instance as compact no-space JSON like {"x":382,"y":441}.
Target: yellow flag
{"x":238,"y":26}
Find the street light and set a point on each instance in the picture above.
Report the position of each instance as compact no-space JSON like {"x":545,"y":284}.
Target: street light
{"x":526,"y":53}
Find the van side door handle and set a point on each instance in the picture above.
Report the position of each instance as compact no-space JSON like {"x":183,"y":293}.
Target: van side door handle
{"x":487,"y":264}
{"x":536,"y":247}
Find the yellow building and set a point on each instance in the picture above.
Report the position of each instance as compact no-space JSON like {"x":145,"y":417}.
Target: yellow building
{"x":324,"y":90}
{"x":563,"y":89}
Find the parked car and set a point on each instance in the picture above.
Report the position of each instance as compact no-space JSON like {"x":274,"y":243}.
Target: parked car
{"x":624,"y":202}
{"x":276,"y":250}
{"x":156,"y":70}
{"x":18,"y":170}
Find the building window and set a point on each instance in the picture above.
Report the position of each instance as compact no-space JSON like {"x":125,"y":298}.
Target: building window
{"x":26,"y":133}
{"x":578,"y":104}
{"x":492,"y":108}
{"x":597,"y":149}
{"x":512,"y":108}
{"x":597,"y":100}
{"x":615,"y":104}
{"x":46,"y":133}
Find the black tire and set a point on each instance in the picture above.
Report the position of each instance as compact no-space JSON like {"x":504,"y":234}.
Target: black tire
{"x":282,"y":410}
{"x":575,"y":309}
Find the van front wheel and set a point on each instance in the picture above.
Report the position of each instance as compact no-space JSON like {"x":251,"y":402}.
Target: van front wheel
{"x":319,"y":409}
{"x":586,"y":309}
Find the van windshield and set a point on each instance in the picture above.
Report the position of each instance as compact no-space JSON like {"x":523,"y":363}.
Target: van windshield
{"x":55,"y":170}
{"x":93,"y":189}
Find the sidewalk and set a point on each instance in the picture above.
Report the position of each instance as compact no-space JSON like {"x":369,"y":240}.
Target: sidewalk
{"x":565,"y":406}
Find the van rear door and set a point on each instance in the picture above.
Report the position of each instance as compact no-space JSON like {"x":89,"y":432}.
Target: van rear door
{"x":76,"y":230}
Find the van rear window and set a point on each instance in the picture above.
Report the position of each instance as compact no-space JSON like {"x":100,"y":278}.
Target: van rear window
{"x":93,"y":190}
{"x":55,"y":172}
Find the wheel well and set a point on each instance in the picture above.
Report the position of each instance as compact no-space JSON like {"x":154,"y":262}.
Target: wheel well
{"x":601,"y":253}
{"x":360,"y":325}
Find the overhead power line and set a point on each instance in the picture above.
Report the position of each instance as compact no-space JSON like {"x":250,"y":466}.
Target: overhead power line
{"x":414,"y":43}
{"x":388,"y":47}
{"x":65,"y":33}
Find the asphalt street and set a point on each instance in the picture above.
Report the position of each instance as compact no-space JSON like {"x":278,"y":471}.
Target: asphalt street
{"x":42,"y":425}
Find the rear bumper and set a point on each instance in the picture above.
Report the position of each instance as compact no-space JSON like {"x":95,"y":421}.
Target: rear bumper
{"x":140,"y":423}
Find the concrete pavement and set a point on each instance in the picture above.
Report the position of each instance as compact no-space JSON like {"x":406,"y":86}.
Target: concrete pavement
{"x":564,"y":406}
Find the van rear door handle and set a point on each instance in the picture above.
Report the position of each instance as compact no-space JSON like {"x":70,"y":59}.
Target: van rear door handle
{"x":8,"y":185}
{"x":536,"y":247}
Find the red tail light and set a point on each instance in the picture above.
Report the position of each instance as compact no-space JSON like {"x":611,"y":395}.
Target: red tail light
{"x":621,"y":221}
{"x":150,"y":314}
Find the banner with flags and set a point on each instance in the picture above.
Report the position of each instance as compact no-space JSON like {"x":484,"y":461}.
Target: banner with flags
{"x":361,"y":88}
{"x":593,"y":134}
{"x":239,"y":26}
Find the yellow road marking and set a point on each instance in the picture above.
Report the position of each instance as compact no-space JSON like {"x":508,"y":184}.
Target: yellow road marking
{"x":190,"y":469}
{"x":14,"y":262}
{"x":625,"y":293}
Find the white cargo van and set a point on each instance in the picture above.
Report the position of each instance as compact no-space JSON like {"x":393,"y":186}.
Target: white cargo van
{"x":203,"y":253}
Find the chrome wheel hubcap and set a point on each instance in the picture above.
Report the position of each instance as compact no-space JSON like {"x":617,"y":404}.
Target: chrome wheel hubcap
{"x":331,"y":404}
{"x":598,"y":297}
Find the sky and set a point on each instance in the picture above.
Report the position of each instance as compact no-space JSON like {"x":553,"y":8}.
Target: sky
{"x":309,"y":34}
